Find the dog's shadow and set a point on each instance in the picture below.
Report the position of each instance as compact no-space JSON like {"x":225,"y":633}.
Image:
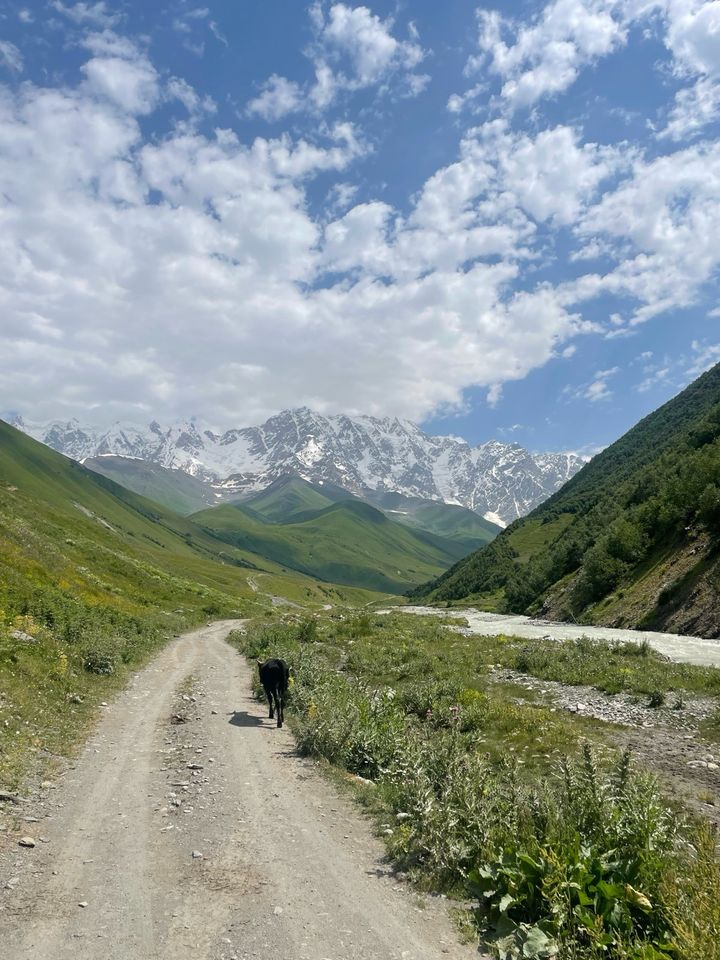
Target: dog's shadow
{"x":241,"y":718}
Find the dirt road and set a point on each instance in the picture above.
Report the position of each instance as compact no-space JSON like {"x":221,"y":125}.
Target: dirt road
{"x":208,"y":838}
{"x":676,"y":647}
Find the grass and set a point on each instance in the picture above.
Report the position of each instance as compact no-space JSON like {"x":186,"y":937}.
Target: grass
{"x":99,"y":578}
{"x":568,"y":850}
{"x":533,"y":536}
{"x":348,"y":542}
{"x":174,"y":489}
{"x":611,"y":667}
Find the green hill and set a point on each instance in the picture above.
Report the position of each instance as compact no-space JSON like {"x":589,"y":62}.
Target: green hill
{"x":444,"y":519}
{"x":174,"y":489}
{"x":292,"y":498}
{"x":103,"y":542}
{"x":289,"y":497}
{"x":633,"y":539}
{"x":93,"y":578}
{"x":347,"y":542}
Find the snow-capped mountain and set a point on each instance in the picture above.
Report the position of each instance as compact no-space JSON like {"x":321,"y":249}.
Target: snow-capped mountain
{"x":500,"y":481}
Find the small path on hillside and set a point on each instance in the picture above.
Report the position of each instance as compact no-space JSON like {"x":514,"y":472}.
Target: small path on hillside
{"x":190,"y":828}
{"x":683,"y":649}
{"x":274,"y":600}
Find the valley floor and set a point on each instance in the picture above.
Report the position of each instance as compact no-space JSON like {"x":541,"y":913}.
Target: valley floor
{"x":190,"y":827}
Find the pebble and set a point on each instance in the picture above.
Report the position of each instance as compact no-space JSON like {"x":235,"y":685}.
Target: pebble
{"x":277,"y":911}
{"x":197,"y":855}
{"x":26,"y":842}
{"x":83,"y":903}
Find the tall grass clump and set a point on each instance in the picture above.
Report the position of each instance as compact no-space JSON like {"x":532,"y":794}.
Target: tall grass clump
{"x":585,"y":862}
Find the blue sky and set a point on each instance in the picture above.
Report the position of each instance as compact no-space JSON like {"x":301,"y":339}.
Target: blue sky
{"x":497,"y":221}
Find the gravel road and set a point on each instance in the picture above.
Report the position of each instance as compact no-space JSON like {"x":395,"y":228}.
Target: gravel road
{"x":207,"y":837}
{"x":676,"y":647}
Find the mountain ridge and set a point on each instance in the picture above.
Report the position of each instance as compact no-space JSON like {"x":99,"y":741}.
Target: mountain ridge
{"x":633,"y":540}
{"x":500,"y":481}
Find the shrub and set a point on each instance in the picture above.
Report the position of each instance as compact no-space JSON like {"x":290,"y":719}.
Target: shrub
{"x":100,"y":662}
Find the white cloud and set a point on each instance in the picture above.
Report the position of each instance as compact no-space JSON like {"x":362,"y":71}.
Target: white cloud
{"x":705,"y":355}
{"x":544,"y":57}
{"x":214,"y":296}
{"x":179,"y":89}
{"x":596,"y":389}
{"x":132,"y":84}
{"x":10,"y":56}
{"x":340,"y":196}
{"x":353,"y":49}
{"x":661,"y":224}
{"x":278,"y":97}
{"x":368,"y":43}
{"x":96,"y":14}
{"x":694,"y":107}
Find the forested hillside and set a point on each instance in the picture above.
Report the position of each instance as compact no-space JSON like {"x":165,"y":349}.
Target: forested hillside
{"x":632,"y":539}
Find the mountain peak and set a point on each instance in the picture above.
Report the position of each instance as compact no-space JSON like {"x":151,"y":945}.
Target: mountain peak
{"x":357,"y":454}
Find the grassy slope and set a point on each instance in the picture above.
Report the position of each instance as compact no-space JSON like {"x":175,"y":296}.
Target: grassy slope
{"x":443,"y":519}
{"x":348,"y":542}
{"x":99,"y":577}
{"x":174,"y":489}
{"x":643,"y":490}
{"x":292,"y":498}
{"x":288,"y":498}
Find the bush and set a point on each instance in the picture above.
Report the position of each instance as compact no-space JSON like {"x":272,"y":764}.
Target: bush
{"x":99,"y":662}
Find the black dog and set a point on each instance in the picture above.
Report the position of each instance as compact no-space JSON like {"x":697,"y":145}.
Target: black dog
{"x":275,"y":676}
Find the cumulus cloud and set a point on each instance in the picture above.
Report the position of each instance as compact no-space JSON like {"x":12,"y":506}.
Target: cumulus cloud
{"x":179,"y":272}
{"x":186,"y":274}
{"x":277,"y":98}
{"x":131,"y":84}
{"x":543,"y":56}
{"x":352,"y":49}
{"x":661,"y":224}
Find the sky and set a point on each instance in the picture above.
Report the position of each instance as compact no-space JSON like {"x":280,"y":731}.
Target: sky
{"x":497,"y":221}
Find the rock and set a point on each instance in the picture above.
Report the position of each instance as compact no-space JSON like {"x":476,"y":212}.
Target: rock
{"x":277,"y":911}
{"x":83,"y":903}
{"x":22,"y":636}
{"x":712,"y":766}
{"x":197,"y":855}
{"x":9,"y":797}
{"x":194,"y":766}
{"x":580,"y":707}
{"x":402,"y":816}
{"x":26,"y":842}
